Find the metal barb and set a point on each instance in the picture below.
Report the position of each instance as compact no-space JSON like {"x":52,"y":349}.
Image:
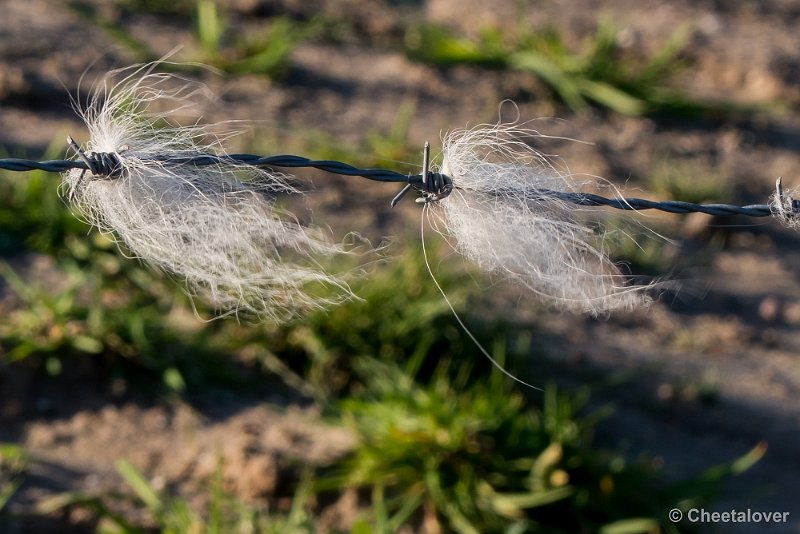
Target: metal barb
{"x":780,"y":197}
{"x":438,"y":187}
{"x":435,"y":185}
{"x":81,"y":154}
{"x":787,"y":207}
{"x":426,"y":163}
{"x":101,"y":164}
{"x":399,"y":196}
{"x":426,"y":178}
{"x":76,"y":147}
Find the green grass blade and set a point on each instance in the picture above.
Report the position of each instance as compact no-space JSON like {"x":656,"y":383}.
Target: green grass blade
{"x":7,"y":491}
{"x":636,"y":525}
{"x":552,"y":75}
{"x":612,"y":97}
{"x":140,"y":486}
{"x":510,"y":504}
{"x":210,"y":27}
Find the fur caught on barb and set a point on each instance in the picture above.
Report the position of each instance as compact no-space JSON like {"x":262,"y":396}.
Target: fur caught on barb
{"x":217,"y":227}
{"x":785,"y":207}
{"x":499,"y":221}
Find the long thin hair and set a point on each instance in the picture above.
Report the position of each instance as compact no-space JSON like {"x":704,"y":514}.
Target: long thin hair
{"x":217,"y":227}
{"x":498,"y":218}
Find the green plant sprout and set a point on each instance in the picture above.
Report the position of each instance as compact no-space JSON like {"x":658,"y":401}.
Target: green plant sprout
{"x":13,"y":465}
{"x":602,"y":74}
{"x":265,"y":52}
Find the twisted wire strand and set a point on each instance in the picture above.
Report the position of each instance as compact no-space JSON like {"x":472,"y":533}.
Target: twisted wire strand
{"x":286,"y":161}
{"x":670,"y":206}
{"x":55,"y":165}
{"x":384,"y":175}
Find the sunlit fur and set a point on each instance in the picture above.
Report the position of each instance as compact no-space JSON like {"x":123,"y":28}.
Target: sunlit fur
{"x":782,"y":207}
{"x":217,"y":227}
{"x":499,"y":219}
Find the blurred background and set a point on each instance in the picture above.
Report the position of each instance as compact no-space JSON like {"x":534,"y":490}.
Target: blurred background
{"x":121,"y":410}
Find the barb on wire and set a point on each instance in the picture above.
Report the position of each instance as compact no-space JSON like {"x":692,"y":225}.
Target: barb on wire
{"x":434,"y":186}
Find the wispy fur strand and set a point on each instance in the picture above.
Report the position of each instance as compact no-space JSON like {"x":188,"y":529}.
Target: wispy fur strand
{"x":497,"y":220}
{"x":217,"y":227}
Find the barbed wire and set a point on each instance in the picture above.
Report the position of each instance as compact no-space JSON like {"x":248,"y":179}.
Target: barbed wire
{"x":434,"y":186}
{"x":670,"y":206}
{"x":200,"y":160}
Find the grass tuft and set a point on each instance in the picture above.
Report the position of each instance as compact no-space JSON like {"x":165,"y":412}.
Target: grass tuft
{"x":602,"y":74}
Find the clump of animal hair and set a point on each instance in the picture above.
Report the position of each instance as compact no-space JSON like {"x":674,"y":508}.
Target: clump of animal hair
{"x":782,"y":207}
{"x":217,"y":227}
{"x":499,"y":219}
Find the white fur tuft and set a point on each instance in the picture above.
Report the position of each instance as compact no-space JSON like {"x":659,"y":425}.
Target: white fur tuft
{"x":218,"y":226}
{"x":781,"y":207}
{"x":500,"y":223}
